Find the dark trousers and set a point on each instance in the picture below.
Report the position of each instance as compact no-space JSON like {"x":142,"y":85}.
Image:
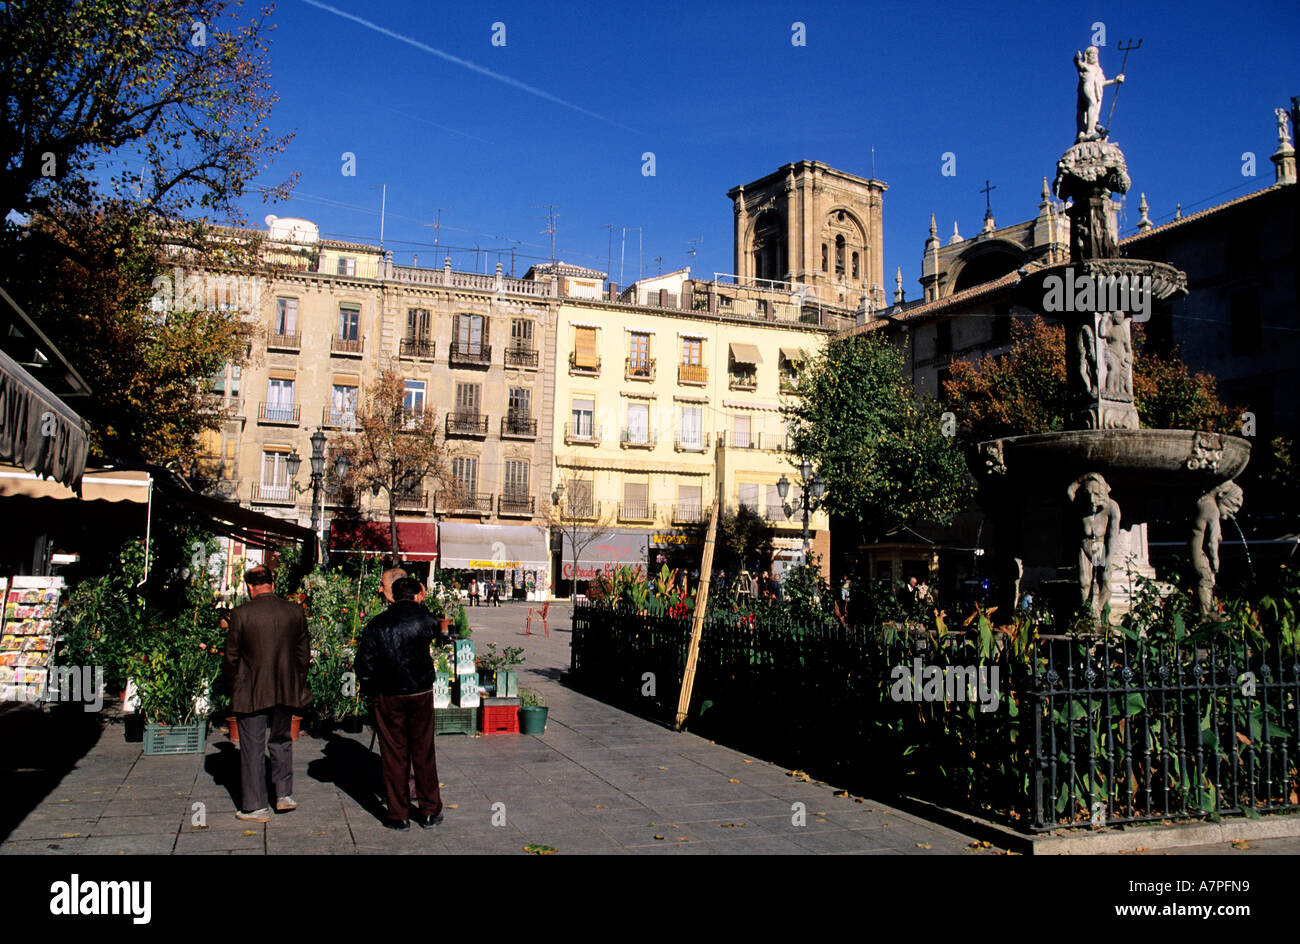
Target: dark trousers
{"x":404,"y":724}
{"x":252,"y":756}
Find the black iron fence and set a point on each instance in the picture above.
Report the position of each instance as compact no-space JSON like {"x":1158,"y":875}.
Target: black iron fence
{"x":1038,"y":733}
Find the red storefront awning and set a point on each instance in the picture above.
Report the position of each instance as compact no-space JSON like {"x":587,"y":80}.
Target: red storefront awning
{"x":417,"y":540}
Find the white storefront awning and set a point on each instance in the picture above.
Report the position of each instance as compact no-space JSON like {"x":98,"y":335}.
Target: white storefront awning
{"x":493,"y":546}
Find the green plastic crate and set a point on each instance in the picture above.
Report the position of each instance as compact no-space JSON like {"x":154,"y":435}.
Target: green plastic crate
{"x":454,"y":721}
{"x":175,"y":738}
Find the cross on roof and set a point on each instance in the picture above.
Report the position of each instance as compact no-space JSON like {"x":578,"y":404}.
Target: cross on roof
{"x":986,"y":191}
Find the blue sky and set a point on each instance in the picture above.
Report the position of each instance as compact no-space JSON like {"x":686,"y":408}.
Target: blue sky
{"x":721,"y":96}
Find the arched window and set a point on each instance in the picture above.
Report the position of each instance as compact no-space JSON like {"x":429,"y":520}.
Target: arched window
{"x":855,"y":267}
{"x":839,"y":255}
{"x":824,"y":258}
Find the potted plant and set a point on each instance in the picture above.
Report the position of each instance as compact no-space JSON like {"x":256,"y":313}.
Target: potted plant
{"x":462,"y":624}
{"x":174,"y":680}
{"x":532,"y":712}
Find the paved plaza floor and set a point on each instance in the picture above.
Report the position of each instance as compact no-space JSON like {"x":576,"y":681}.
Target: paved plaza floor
{"x":599,"y":781}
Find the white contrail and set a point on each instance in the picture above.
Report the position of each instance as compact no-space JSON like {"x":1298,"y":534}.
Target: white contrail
{"x":464,"y":62}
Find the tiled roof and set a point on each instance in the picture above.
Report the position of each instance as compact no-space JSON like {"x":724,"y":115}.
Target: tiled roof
{"x":1200,"y":215}
{"x":948,"y":302}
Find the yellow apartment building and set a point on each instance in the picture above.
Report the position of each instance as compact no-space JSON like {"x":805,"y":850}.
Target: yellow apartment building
{"x":660,"y":407}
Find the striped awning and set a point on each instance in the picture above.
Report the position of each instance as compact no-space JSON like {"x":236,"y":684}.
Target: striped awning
{"x":743,"y":353}
{"x":38,"y":430}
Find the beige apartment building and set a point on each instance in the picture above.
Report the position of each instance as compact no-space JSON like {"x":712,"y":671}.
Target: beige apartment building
{"x":475,"y":350}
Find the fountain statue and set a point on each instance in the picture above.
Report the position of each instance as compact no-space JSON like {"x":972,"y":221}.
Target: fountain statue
{"x":1055,"y":498}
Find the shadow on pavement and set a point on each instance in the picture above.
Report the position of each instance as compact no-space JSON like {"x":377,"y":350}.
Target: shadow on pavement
{"x":353,"y":769}
{"x":40,"y":747}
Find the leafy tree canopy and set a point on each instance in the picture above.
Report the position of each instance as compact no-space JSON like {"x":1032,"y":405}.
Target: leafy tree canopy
{"x":881,"y":451}
{"x":1023,"y":390}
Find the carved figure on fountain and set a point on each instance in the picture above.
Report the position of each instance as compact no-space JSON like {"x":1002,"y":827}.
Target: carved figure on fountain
{"x":1213,"y":507}
{"x":1099,"y":525}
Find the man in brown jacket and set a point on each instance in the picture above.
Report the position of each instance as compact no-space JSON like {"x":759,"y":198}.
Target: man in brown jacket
{"x":265,"y":665}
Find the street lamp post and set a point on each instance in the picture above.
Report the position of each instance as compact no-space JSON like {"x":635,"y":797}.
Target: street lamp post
{"x":811,"y":489}
{"x":317,"y":486}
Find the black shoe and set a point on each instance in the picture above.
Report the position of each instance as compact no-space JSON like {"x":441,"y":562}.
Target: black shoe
{"x":399,"y":824}
{"x":426,"y":821}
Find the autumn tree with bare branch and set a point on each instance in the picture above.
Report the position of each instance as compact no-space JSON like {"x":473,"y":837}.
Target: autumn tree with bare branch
{"x":396,"y":448}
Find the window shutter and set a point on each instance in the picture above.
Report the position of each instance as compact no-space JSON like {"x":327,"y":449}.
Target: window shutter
{"x":636,"y":493}
{"x":585,"y":348}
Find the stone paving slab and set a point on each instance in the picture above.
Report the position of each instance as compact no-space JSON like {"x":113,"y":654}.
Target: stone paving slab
{"x":600,"y":781}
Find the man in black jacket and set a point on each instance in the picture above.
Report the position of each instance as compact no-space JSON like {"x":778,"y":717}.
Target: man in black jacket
{"x":394,"y":665}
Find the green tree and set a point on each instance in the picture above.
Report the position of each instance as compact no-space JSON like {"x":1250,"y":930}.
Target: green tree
{"x":881,"y":451}
{"x":120,"y":120}
{"x":149,"y":369}
{"x":160,"y":101}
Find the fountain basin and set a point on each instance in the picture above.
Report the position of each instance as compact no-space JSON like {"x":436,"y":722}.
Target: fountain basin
{"x":1190,"y":462}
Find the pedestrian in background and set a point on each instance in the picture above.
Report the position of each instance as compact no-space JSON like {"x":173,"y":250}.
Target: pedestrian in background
{"x":473,"y":591}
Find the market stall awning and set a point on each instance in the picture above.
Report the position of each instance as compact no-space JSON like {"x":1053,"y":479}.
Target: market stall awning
{"x":604,"y":553}
{"x":118,"y":485}
{"x":493,"y":546}
{"x":417,"y":540}
{"x":743,"y":353}
{"x":223,"y":517}
{"x":37,"y":430}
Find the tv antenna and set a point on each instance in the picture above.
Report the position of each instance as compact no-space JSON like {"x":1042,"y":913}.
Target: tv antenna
{"x":551,"y":217}
{"x":437,"y":232}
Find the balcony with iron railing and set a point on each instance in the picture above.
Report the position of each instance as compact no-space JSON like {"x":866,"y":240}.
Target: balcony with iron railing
{"x":583,"y":434}
{"x":282,"y":341}
{"x":413,"y":500}
{"x":515,"y":505}
{"x":473,"y":355}
{"x":275,"y":414}
{"x":693,"y":374}
{"x":748,"y":380}
{"x":633,"y":438}
{"x":580,"y":510}
{"x":689,"y":513}
{"x":347,"y":347}
{"x":776,"y":514}
{"x":417,"y":348}
{"x":338,"y":419}
{"x":465,"y":503}
{"x":583,"y":368}
{"x":467,"y":424}
{"x":264,"y":494}
{"x":639,"y":368}
{"x":789,"y":383}
{"x":698,"y":443}
{"x":519,"y":356}
{"x":636,"y":511}
{"x":515,"y":426}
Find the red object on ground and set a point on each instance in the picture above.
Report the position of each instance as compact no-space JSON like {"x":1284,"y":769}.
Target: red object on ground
{"x":541,"y":615}
{"x":499,"y":719}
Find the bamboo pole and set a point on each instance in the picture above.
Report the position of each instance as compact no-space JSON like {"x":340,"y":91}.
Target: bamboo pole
{"x":697,"y":619}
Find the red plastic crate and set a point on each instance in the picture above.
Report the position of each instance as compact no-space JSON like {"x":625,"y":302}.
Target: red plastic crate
{"x":499,"y":719}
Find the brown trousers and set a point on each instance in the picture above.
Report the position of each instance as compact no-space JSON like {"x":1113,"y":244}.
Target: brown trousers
{"x":404,"y":724}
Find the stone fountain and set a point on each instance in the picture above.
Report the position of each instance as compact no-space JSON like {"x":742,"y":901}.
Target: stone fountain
{"x":1071,"y":508}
